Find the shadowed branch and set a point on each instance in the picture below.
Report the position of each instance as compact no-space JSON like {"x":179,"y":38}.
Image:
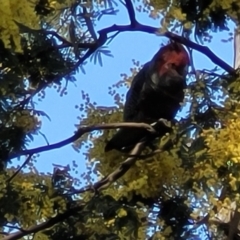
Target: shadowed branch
{"x":79,"y":133}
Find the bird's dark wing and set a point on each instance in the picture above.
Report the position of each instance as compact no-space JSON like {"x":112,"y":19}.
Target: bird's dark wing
{"x":133,"y":95}
{"x":131,"y":113}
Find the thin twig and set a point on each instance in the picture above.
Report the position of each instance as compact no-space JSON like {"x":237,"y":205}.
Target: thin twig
{"x":20,"y":168}
{"x":89,"y":23}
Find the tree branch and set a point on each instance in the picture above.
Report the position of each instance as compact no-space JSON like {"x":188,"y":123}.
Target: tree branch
{"x":117,"y":173}
{"x":133,"y":156}
{"x":136,"y":26}
{"x":98,"y":186}
{"x":44,"y":225}
{"x":203,"y":49}
{"x":131,"y":12}
{"x":121,"y":170}
{"x":79,"y":133}
{"x":152,"y":30}
{"x":20,"y":168}
{"x":233,"y":224}
{"x":133,"y":26}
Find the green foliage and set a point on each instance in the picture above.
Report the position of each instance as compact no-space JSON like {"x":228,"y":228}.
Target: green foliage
{"x":194,"y":168}
{"x":44,"y":43}
{"x":202,"y":17}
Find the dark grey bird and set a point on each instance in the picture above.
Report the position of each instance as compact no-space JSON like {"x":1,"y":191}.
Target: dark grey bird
{"x":156,"y":92}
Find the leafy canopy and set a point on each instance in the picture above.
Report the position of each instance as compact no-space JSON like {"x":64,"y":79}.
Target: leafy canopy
{"x":187,"y":188}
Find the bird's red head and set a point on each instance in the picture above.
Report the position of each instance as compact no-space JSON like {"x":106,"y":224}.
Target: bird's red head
{"x":172,"y":57}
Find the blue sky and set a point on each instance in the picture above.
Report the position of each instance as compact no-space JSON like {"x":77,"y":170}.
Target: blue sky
{"x":125,"y":47}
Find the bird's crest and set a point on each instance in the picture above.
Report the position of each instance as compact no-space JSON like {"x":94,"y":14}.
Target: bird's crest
{"x":172,"y":55}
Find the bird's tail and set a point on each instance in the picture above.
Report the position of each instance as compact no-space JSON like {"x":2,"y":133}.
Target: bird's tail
{"x":125,"y":139}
